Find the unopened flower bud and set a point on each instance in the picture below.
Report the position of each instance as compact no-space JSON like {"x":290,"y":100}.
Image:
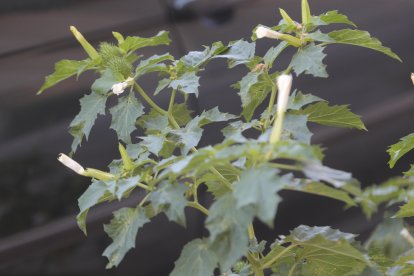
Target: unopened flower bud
{"x":412,"y":77}
{"x":284,"y":84}
{"x":407,"y":236}
{"x":71,"y":164}
{"x":262,"y":32}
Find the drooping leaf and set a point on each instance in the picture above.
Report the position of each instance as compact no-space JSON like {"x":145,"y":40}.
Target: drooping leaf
{"x":65,"y":69}
{"x":190,"y":135}
{"x":363,"y":39}
{"x":196,"y":259}
{"x":227,"y":225}
{"x":195,"y":59}
{"x":124,"y":185}
{"x":273,"y":52}
{"x":332,"y":17}
{"x":152,"y":64}
{"x":258,"y":187}
{"x":124,"y":115}
{"x":316,"y":171}
{"x":92,"y":105}
{"x":309,"y":60}
{"x":240,"y":52}
{"x":169,"y":198}
{"x":123,"y":229}
{"x":297,"y":100}
{"x":401,"y":148}
{"x":187,"y":83}
{"x":335,"y":115}
{"x":407,"y":210}
{"x":318,"y":188}
{"x":132,"y":43}
{"x":214,"y":115}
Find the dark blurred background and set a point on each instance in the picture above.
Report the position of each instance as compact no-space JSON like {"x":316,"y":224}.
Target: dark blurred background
{"x":38,"y":196}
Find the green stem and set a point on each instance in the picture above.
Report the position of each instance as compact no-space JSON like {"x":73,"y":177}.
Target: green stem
{"x":148,"y":99}
{"x":144,"y":200}
{"x":145,"y":187}
{"x":292,"y":269}
{"x":273,"y":260}
{"x":255,"y":265}
{"x":270,"y":107}
{"x":172,"y":100}
{"x":198,"y":206}
{"x":285,"y":167}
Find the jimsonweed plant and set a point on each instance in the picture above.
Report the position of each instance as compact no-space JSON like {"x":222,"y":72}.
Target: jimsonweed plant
{"x":243,"y":174}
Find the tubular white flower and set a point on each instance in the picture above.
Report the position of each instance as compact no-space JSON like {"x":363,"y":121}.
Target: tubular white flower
{"x":262,"y":32}
{"x":119,"y":88}
{"x":284,"y":84}
{"x":407,"y":236}
{"x":412,"y":77}
{"x":71,"y":164}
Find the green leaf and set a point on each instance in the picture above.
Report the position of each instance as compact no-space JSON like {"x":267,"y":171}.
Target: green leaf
{"x":319,"y":36}
{"x":152,"y":64}
{"x":240,"y":52}
{"x":190,"y":135}
{"x":324,"y":251}
{"x":228,"y":225}
{"x":153,"y":143}
{"x":316,"y":171}
{"x":154,"y":122}
{"x":295,"y":127}
{"x":214,"y":115}
{"x":363,"y":39}
{"x":410,"y":172}
{"x":401,"y":148}
{"x":96,"y":193}
{"x":258,"y":187}
{"x":182,"y":114}
{"x":332,"y":17}
{"x":162,"y":84}
{"x":234,"y":131}
{"x":253,"y":91}
{"x":273,"y":52}
{"x":195,"y":259}
{"x":297,"y":100}
{"x":104,"y":84}
{"x":91,"y":106}
{"x":318,"y":188}
{"x":123,"y":229}
{"x":132,"y":43}
{"x":310,"y":60}
{"x":407,"y":210}
{"x":335,"y":115}
{"x":169,"y":198}
{"x":195,"y":59}
{"x":124,"y":115}
{"x":306,"y":15}
{"x":187,"y":83}
{"x":124,"y":185}
{"x":63,"y":70}
{"x":287,"y":18}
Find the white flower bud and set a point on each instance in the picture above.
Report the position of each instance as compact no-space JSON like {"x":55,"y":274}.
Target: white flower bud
{"x":412,"y":77}
{"x":284,"y":84}
{"x":71,"y":164}
{"x":119,"y":88}
{"x":407,"y":236}
{"x":262,"y":31}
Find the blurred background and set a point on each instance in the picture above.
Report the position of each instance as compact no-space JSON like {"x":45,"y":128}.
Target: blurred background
{"x":38,"y":196}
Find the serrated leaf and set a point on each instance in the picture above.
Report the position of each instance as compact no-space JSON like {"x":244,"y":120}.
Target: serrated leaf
{"x":187,"y":83}
{"x":317,"y":172}
{"x":410,"y":172}
{"x":96,"y":193}
{"x":363,"y":39}
{"x":234,"y":131}
{"x":324,"y":251}
{"x":154,"y":122}
{"x":309,"y":60}
{"x":332,"y":17}
{"x":214,"y":115}
{"x":92,"y":105}
{"x":162,"y":84}
{"x":104,"y":83}
{"x":195,"y":59}
{"x":190,"y":135}
{"x":401,"y":148}
{"x":319,"y":36}
{"x":124,"y":115}
{"x":295,"y":127}
{"x":169,"y":198}
{"x":132,"y":43}
{"x":320,"y":189}
{"x":227,"y":225}
{"x":153,"y":143}
{"x":195,"y":259}
{"x":123,"y":229}
{"x":152,"y":64}
{"x":258,"y":188}
{"x":407,"y":210}
{"x":124,"y":185}
{"x":297,"y":100}
{"x":240,"y":52}
{"x":182,"y":114}
{"x":64,"y":69}
{"x":335,"y":115}
{"x":273,"y":52}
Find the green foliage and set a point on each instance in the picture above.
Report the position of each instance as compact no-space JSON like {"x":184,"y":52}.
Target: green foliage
{"x":399,"y":149}
{"x":246,"y":170}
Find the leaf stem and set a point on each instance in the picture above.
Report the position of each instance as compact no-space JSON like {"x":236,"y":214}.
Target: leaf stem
{"x":148,"y":99}
{"x":292,"y":269}
{"x":198,"y":206}
{"x":285,"y":167}
{"x":271,"y":104}
{"x":273,"y":260}
{"x":172,"y":100}
{"x":145,"y":187}
{"x":255,"y":265}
